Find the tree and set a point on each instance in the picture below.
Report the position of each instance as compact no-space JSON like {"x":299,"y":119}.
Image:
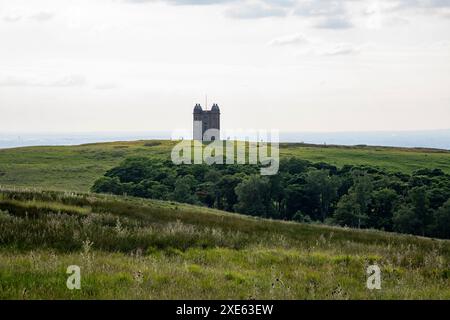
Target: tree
{"x":300,"y":217}
{"x":277,"y":192}
{"x":348,"y":212}
{"x":150,"y":189}
{"x":159,"y":191}
{"x":184,"y":190}
{"x":441,"y":226}
{"x":421,"y":206}
{"x":133,"y":170}
{"x":207,"y":193}
{"x":226,"y":186}
{"x":212,"y":176}
{"x":294,"y":165}
{"x":381,"y":209}
{"x":360,"y":191}
{"x":254,"y":196}
{"x":296,"y":200}
{"x":437,"y":196}
{"x":108,"y":185}
{"x":362,"y":187}
{"x":323,"y":186}
{"x":405,"y":220}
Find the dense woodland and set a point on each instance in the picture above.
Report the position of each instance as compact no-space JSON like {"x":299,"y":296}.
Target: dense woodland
{"x":354,"y":196}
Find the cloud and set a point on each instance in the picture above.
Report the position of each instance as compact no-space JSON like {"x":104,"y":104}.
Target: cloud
{"x":42,"y":16}
{"x":426,"y":4}
{"x":396,"y":21}
{"x":249,"y":9}
{"x":328,"y":14}
{"x":339,"y":49}
{"x":443,"y":45}
{"x":183,"y":2}
{"x":320,"y":8}
{"x":138,"y":1}
{"x":319,"y":47}
{"x":69,"y":81}
{"x":436,"y":7}
{"x":255,"y":11}
{"x":65,"y":81}
{"x":335,"y":23}
{"x":106,"y":86}
{"x":12,"y":17}
{"x":281,"y":3}
{"x":293,"y":39}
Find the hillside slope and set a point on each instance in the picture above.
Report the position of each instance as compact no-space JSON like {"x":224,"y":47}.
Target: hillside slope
{"x":136,"y":248}
{"x":77,"y":167}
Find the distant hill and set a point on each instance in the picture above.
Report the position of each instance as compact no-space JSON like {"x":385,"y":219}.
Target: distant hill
{"x":439,"y":139}
{"x":76,"y":168}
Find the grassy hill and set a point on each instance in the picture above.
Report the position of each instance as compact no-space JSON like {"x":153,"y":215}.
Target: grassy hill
{"x":77,"y":167}
{"x":135,"y":248}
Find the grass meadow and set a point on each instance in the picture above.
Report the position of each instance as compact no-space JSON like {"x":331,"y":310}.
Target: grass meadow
{"x":145,"y":249}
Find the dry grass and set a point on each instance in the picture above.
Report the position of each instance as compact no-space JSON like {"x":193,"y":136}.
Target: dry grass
{"x":135,"y":248}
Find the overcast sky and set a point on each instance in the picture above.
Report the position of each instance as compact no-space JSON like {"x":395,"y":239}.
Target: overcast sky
{"x":292,"y":65}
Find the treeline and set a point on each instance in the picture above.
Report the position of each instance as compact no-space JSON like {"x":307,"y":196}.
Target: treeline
{"x":354,"y":196}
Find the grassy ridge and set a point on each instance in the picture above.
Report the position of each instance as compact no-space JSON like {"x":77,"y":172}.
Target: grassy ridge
{"x":77,"y":167}
{"x":393,"y":159}
{"x":135,"y":248}
{"x":70,"y":168}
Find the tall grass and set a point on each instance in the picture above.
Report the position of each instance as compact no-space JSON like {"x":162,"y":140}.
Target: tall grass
{"x":135,"y":248}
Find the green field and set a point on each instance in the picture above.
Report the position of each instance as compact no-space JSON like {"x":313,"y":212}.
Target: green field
{"x":72,"y":167}
{"x":77,"y":167}
{"x":147,"y":249}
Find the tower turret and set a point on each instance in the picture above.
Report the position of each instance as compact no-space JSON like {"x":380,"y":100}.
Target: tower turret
{"x":215,"y":108}
{"x":198,"y":108}
{"x":198,"y":122}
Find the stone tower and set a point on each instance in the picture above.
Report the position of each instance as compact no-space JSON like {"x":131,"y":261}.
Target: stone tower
{"x":206,"y":123}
